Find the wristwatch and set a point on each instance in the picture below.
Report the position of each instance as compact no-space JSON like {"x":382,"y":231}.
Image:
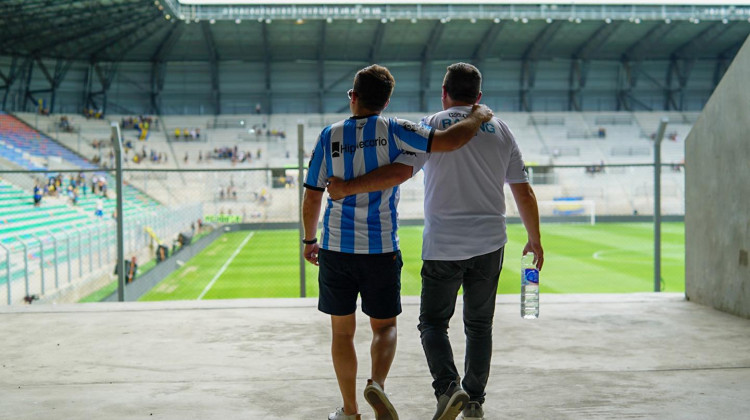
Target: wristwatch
{"x":309,"y":241}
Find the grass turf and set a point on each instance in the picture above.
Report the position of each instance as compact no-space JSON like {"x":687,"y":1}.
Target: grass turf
{"x":604,"y":258}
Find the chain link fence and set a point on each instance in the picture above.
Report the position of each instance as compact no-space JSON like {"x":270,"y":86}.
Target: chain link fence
{"x":65,"y":249}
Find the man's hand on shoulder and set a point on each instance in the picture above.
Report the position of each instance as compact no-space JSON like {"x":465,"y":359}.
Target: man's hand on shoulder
{"x":336,"y":188}
{"x":482,"y":112}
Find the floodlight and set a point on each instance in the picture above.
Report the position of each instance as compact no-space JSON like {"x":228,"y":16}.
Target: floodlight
{"x":549,"y":20}
{"x":238,"y":21}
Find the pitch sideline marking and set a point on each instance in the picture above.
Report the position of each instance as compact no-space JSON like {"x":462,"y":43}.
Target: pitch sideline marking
{"x":224,"y":267}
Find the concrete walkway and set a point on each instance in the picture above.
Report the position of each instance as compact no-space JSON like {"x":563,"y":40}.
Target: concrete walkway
{"x":651,"y":356}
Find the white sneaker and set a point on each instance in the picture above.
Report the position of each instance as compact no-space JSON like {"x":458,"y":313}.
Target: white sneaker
{"x":340,"y":415}
{"x":376,"y":397}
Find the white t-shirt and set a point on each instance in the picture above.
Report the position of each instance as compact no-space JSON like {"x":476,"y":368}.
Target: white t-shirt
{"x":464,"y":200}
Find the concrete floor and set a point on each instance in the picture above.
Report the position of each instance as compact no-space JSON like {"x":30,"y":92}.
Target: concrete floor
{"x":651,"y":356}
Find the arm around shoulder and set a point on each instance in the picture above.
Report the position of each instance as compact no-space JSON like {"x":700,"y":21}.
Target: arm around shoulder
{"x":382,"y":178}
{"x":455,"y":136}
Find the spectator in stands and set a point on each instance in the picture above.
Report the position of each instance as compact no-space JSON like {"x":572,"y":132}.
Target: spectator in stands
{"x":197,"y":133}
{"x":99,"y":212}
{"x":185,"y":133}
{"x":177,"y":133}
{"x":464,"y":236}
{"x":257,"y":108}
{"x":186,"y":157}
{"x":37,"y":195}
{"x":103,"y":186}
{"x":73,"y":195}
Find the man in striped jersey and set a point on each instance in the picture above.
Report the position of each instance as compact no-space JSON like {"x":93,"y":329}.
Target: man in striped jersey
{"x":358,"y":253}
{"x":464,"y":238}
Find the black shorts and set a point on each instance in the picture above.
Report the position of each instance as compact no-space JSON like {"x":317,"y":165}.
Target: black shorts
{"x":377,"y":277}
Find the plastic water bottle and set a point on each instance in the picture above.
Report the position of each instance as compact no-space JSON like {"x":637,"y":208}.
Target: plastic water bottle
{"x":529,"y":287}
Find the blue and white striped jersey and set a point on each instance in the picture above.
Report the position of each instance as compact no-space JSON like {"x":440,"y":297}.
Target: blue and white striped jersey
{"x":363,"y":223}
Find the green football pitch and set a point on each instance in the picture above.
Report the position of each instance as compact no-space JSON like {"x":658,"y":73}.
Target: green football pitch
{"x":603,"y":258}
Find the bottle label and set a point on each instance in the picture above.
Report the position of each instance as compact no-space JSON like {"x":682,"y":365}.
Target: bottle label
{"x":530,"y":275}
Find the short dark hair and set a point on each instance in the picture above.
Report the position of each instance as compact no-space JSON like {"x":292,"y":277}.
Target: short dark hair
{"x":463,"y":82}
{"x":374,"y":85}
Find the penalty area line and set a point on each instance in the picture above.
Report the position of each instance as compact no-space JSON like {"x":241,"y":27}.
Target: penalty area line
{"x":224,"y":267}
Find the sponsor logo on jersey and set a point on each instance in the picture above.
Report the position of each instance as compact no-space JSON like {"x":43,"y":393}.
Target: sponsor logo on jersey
{"x":337,"y":147}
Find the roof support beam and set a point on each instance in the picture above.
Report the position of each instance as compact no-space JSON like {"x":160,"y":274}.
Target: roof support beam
{"x":159,"y":65}
{"x":45,"y":27}
{"x":61,"y":69}
{"x":213,"y":59}
{"x":485,"y":45}
{"x":424,"y":74}
{"x":168,"y":42}
{"x":681,"y":69}
{"x":106,"y":75}
{"x":529,"y":61}
{"x":321,"y":66}
{"x":158,"y":76}
{"x":597,"y":40}
{"x":579,"y":70}
{"x":17,"y":68}
{"x":646,"y":43}
{"x":27,"y":88}
{"x":377,"y":42}
{"x":267,"y":64}
{"x":699,"y":43}
{"x":625,"y":83}
{"x":81,"y":37}
{"x":132,"y":35}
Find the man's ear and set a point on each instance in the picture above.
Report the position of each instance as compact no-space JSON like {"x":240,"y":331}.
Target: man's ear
{"x":386,"y":103}
{"x":445,"y":94}
{"x":479,"y":98}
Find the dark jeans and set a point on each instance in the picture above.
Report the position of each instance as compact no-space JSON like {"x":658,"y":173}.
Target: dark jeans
{"x":440,"y":283}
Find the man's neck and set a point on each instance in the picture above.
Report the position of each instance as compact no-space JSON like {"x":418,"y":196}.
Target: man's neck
{"x":451,"y":104}
{"x":359,"y":112}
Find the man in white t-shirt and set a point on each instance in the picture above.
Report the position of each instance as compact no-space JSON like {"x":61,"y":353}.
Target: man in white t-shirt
{"x":464,"y":237}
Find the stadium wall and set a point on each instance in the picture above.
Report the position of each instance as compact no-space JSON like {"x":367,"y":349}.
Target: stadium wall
{"x":717,"y":228}
{"x":142,"y":284}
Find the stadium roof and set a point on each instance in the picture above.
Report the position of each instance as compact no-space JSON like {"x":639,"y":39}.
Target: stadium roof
{"x":168,"y":30}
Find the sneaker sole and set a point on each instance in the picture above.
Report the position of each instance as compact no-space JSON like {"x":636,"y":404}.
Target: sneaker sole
{"x":379,"y":402}
{"x":455,"y":406}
